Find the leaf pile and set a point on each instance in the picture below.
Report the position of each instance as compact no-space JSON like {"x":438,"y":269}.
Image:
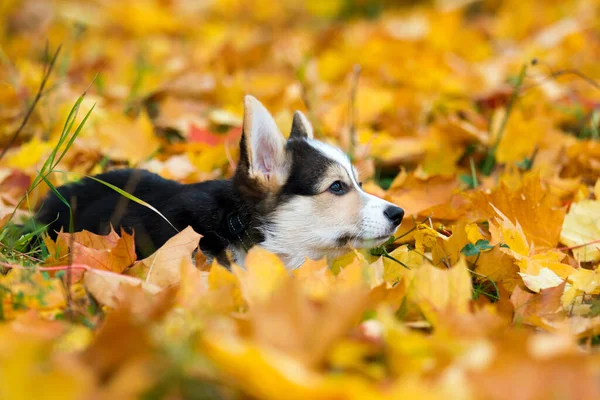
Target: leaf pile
{"x":480,"y":118}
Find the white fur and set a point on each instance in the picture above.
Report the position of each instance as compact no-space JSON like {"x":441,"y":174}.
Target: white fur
{"x":298,"y":230}
{"x":374,"y":223}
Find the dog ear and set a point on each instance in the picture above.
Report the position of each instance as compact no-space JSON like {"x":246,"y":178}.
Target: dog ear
{"x":263,"y":145}
{"x":301,"y":127}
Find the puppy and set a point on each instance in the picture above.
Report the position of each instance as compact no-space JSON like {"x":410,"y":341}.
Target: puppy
{"x":297,"y":198}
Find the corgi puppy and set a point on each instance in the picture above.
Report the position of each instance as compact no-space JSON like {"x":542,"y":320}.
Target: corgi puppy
{"x":297,"y":198}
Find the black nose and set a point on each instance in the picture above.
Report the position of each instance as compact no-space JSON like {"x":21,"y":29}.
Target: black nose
{"x":395,"y":214}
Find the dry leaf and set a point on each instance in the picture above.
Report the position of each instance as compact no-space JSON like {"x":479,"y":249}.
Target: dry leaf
{"x":581,"y":229}
{"x":163,"y":267}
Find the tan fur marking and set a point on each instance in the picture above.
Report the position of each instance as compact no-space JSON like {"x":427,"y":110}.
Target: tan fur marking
{"x":337,"y":210}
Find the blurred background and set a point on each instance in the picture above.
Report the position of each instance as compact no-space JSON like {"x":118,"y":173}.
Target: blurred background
{"x":480,"y":118}
{"x":412,"y":86}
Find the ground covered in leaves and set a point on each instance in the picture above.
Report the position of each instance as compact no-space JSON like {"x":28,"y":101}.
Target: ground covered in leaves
{"x":479,"y":118}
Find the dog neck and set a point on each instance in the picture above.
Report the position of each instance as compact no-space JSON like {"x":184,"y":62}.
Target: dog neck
{"x":239,"y":229}
{"x":242,"y":236}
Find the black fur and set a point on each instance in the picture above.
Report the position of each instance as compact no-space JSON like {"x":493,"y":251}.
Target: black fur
{"x":204,"y":206}
{"x":308,"y":167}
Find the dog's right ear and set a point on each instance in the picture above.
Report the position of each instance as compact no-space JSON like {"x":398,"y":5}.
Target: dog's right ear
{"x":301,"y":127}
{"x":262,"y":148}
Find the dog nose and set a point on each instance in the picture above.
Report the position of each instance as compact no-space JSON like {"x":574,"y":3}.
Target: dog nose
{"x":395,"y":214}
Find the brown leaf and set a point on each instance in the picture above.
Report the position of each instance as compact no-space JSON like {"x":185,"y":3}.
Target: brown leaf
{"x":499,"y":267}
{"x":121,"y":339}
{"x":57,"y":251}
{"x":105,"y":286}
{"x":109,"y":252}
{"x":528,"y":366}
{"x":163,"y":267}
{"x":416,"y":196}
{"x":531,"y":308}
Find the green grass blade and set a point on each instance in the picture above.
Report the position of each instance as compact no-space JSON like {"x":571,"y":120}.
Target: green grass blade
{"x":75,"y":134}
{"x":133,"y":198}
{"x":47,"y":166}
{"x":63,"y":200}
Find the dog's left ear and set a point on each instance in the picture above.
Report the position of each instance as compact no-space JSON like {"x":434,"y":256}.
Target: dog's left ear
{"x":263,"y":145}
{"x":301,"y":127}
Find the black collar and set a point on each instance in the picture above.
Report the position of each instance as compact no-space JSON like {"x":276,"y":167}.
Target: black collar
{"x":240,"y":231}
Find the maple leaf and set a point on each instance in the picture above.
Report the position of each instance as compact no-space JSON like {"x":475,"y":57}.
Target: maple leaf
{"x":105,"y":252}
{"x":438,"y":290}
{"x":534,"y":309}
{"x":536,"y":210}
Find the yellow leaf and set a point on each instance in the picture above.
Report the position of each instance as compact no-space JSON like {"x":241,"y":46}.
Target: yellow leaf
{"x":194,"y":284}
{"x":581,"y":281}
{"x":499,"y":267}
{"x":438,"y":290}
{"x":505,"y":232}
{"x":222,"y":282}
{"x":546,"y":279}
{"x":29,"y":370}
{"x":316,"y":278}
{"x":123,"y":138}
{"x":537,"y":210}
{"x":550,"y":259}
{"x":393,"y":271}
{"x":581,"y":228}
{"x":520,"y":137}
{"x":264,"y":273}
{"x":441,"y":157}
{"x":474,"y":233}
{"x":585,"y":280}
{"x":29,"y":155}
{"x":426,"y":237}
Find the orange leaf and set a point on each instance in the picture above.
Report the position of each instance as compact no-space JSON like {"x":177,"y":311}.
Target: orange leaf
{"x":109,"y":252}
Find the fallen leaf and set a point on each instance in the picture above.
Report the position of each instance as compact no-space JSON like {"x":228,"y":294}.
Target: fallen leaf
{"x":581,"y":229}
{"x":531,"y":205}
{"x":104,"y":252}
{"x":439,"y":290}
{"x":105,"y":285}
{"x":162,"y":268}
{"x":546,"y":279}
{"x":263,"y":274}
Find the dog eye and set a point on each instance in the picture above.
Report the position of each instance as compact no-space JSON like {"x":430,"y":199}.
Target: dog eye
{"x":360,"y":184}
{"x":337,"y":188}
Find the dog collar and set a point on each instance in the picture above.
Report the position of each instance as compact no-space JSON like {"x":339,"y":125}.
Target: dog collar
{"x":238,"y":229}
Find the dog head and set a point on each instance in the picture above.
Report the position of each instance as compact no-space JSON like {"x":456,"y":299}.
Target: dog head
{"x":312,"y":201}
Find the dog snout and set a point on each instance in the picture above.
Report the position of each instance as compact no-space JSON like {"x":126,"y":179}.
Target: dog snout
{"x":394,"y":214}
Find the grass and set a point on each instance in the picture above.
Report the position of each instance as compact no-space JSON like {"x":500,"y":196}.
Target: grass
{"x":22,"y":243}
